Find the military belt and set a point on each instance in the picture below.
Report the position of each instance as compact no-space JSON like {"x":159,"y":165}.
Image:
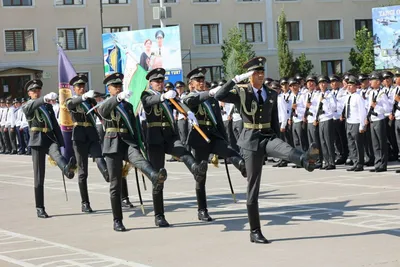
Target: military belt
{"x":158,"y":124}
{"x":257,"y":126}
{"x":83,"y":124}
{"x":208,"y":123}
{"x":39,"y":129}
{"x":116,"y":130}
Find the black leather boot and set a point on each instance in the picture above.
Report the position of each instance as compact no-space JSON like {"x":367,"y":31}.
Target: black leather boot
{"x":160,"y":221}
{"x":306,"y":160}
{"x":158,"y":204}
{"x":41,"y":213}
{"x":198,"y":170}
{"x":157,"y":178}
{"x":255,"y":228}
{"x":119,"y":226}
{"x":203,"y":215}
{"x":86,"y":207}
{"x":69,"y":169}
{"x":102,"y":166}
{"x":126,"y":203}
{"x":239,"y":163}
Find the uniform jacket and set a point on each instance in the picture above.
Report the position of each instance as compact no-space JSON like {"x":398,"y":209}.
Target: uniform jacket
{"x":78,"y":114}
{"x":35,"y":118}
{"x":251,"y":111}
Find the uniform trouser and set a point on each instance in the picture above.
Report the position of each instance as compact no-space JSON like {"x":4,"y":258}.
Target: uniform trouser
{"x":393,"y":149}
{"x":13,"y":138}
{"x":340,"y":139}
{"x":21,"y":141}
{"x":39,"y":164}
{"x":304,"y":129}
{"x":231,"y":136}
{"x":221,"y":148}
{"x":273,"y":147}
{"x":124,"y":188}
{"x":379,"y":143}
{"x":6,"y":138}
{"x":114,"y":166}
{"x":369,"y":150}
{"x":326,"y":138}
{"x":183,"y":130}
{"x":397,"y":131}
{"x":82,"y":151}
{"x":288,"y":135}
{"x":26,"y":138}
{"x":313,"y":137}
{"x":356,"y":143}
{"x":2,"y":144}
{"x":299,"y":138}
{"x":237,"y":127}
{"x":100,"y":130}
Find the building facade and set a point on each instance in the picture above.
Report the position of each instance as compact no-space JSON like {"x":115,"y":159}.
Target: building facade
{"x":323,"y":29}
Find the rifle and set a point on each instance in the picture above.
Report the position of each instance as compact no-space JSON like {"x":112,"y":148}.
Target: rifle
{"x":395,"y":106}
{"x":371,"y":109}
{"x":293,"y":110}
{"x":307,"y":112}
{"x":320,"y":110}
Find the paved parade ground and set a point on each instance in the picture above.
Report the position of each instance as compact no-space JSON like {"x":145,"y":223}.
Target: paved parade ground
{"x":321,"y":219}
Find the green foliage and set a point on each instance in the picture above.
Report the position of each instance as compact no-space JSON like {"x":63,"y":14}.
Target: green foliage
{"x":285,"y":56}
{"x":233,"y":66}
{"x":393,"y":3}
{"x":243,"y":51}
{"x":362,"y":56}
{"x":302,"y":65}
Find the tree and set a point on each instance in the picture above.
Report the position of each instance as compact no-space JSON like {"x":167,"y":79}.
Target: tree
{"x":233,"y":67}
{"x":244,"y":50}
{"x":285,"y":56}
{"x":302,"y":65}
{"x":362,"y":56}
{"x":393,"y":3}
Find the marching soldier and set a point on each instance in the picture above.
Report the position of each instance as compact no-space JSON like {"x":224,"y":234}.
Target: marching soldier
{"x":121,"y":142}
{"x":378,"y":105}
{"x":260,"y":115}
{"x":25,"y":129}
{"x":162,"y":136}
{"x":45,"y":138}
{"x":355,"y":114}
{"x":208,"y":115}
{"x":85,"y":136}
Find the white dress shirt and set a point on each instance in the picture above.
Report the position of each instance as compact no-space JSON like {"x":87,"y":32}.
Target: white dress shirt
{"x":329,"y":106}
{"x":301,"y":100}
{"x":340,"y":96}
{"x":3,"y":119}
{"x":382,"y":104}
{"x":227,"y":108}
{"x":282,"y":111}
{"x":314,"y":105}
{"x":10,"y":120}
{"x":354,"y":110}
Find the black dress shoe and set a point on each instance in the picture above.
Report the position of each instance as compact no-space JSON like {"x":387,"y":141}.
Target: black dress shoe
{"x":204,"y":216}
{"x":349,"y":162}
{"x":125,"y":203}
{"x":340,"y":161}
{"x":277,"y":164}
{"x":369,"y":163}
{"x":69,"y":169}
{"x":86,"y":208}
{"x":359,"y":168}
{"x":257,"y":237}
{"x":41,"y":213}
{"x":351,"y":169}
{"x":118,"y":226}
{"x":323,"y":167}
{"x":160,"y":221}
{"x":397,"y":171}
{"x":330,"y":167}
{"x":14,"y":152}
{"x":373,"y":170}
{"x":381,"y":170}
{"x":283,"y":164}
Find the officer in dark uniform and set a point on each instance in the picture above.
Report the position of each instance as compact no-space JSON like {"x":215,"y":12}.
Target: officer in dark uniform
{"x":162,"y":136}
{"x":259,"y":110}
{"x":45,"y":138}
{"x":208,"y":115}
{"x":121,"y":142}
{"x":85,"y":136}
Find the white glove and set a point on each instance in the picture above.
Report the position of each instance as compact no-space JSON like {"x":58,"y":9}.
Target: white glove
{"x":212,"y":92}
{"x":125,"y":95}
{"x":241,"y":77}
{"x":168,"y":95}
{"x":50,"y":97}
{"x":88,"y":94}
{"x":192,"y":118}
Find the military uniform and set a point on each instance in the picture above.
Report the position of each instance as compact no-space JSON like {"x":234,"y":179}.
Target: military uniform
{"x":208,"y":114}
{"x":121,"y":143}
{"x":45,"y":138}
{"x":10,"y":125}
{"x":368,"y":149}
{"x":85,"y":139}
{"x":4,"y":129}
{"x":3,"y":147}
{"x":258,"y":107}
{"x":389,"y":90}
{"x":162,"y":138}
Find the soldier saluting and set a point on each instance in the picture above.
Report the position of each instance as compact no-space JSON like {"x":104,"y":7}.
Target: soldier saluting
{"x":259,"y":110}
{"x":121,"y":142}
{"x":162,"y":136}
{"x":45,"y":138}
{"x":85,"y":136}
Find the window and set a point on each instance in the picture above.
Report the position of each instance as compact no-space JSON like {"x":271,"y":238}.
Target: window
{"x":165,"y":1}
{"x":68,"y":2}
{"x":252,"y":32}
{"x":329,"y":67}
{"x":116,"y":29}
{"x":293,"y":30}
{"x":159,"y":26}
{"x":17,"y":2}
{"x":72,"y":39}
{"x":20,"y":40}
{"x":360,"y":23}
{"x":205,"y":1}
{"x":249,"y":0}
{"x":206,"y":34}
{"x":113,"y":2}
{"x":214,"y":73}
{"x":88,"y":76}
{"x":329,"y":29}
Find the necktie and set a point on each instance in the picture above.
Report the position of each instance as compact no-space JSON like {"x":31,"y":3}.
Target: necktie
{"x":348,"y":107}
{"x":260,"y":98}
{"x":159,"y":51}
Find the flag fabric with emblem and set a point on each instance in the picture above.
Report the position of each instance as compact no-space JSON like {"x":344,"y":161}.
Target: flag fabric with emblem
{"x":65,"y":73}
